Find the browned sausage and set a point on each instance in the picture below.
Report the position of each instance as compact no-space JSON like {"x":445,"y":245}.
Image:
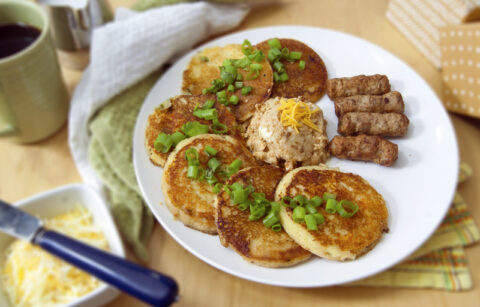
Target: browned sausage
{"x":358,"y":85}
{"x":364,"y":148}
{"x":391,"y":102}
{"x":383,"y":124}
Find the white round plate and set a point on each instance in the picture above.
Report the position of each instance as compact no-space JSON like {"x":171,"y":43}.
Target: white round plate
{"x":418,"y":188}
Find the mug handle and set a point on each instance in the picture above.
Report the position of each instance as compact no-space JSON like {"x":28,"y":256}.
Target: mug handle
{"x":7,"y":126}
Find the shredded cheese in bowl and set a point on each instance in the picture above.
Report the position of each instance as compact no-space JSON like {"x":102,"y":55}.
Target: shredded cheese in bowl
{"x":33,"y":277}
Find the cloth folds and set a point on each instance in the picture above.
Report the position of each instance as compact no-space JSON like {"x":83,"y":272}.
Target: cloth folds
{"x":123,"y":54}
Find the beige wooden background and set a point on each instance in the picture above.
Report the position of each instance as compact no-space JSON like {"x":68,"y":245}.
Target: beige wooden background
{"x":29,"y":169}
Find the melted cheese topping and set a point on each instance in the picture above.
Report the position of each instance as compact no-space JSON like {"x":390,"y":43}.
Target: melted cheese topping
{"x":32,"y":277}
{"x":295,"y":113}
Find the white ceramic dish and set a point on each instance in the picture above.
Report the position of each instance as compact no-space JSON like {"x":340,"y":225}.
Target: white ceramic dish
{"x":418,"y":188}
{"x":64,"y":199}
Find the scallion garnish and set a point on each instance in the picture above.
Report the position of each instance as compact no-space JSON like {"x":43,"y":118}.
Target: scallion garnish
{"x":295,"y":55}
{"x":247,"y":48}
{"x":210,"y":151}
{"x":246,"y":90}
{"x":311,"y":222}
{"x":177,"y":137}
{"x":218,"y":127}
{"x":301,"y":64}
{"x":194,"y":128}
{"x":331,"y":205}
{"x":214,"y":164}
{"x":234,"y":167}
{"x":207,"y":114}
{"x":298,"y":214}
{"x":192,"y":171}
{"x":234,"y":99}
{"x":346,"y":204}
{"x":163,"y":143}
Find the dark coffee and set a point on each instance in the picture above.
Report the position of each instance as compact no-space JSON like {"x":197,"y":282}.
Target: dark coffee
{"x":15,"y":37}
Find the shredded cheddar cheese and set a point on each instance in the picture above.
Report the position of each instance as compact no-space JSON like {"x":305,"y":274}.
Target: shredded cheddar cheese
{"x":32,"y":277}
{"x":295,"y":113}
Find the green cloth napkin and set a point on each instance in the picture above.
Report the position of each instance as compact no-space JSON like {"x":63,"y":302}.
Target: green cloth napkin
{"x":110,"y":154}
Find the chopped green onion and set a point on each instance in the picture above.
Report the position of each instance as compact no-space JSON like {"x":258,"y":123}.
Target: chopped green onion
{"x":276,"y":76}
{"x":194,"y":128}
{"x":210,"y":151}
{"x":228,"y":190}
{"x":274,"y":54}
{"x":255,"y":66}
{"x":246,"y":90}
{"x":177,"y":137}
{"x":343,"y":204}
{"x":274,"y":43}
{"x":208,"y":104}
{"x":243,"y":63}
{"x":240,"y":77}
{"x":192,"y":171}
{"x":204,"y":91}
{"x":222,"y":95}
{"x":234,"y":99}
{"x":217,"y":188}
{"x":201,"y":173}
{"x":278,"y":66}
{"x":191,"y":155}
{"x":218,"y":127}
{"x":287,"y":202}
{"x":300,"y":200}
{"x":331,"y":205}
{"x":285,"y":53}
{"x":270,"y":220}
{"x":227,"y":76}
{"x":258,"y":56}
{"x":207,"y":114}
{"x":277,"y":227}
{"x":283,"y":77}
{"x":253,"y":74}
{"x":247,"y":47}
{"x":217,"y":84}
{"x":239,"y":196}
{"x":319,"y":218}
{"x":316,"y":201}
{"x":163,"y":143}
{"x":310,"y":208}
{"x":204,"y":58}
{"x":299,"y":214}
{"x":329,"y":195}
{"x":236,"y":186}
{"x":213,"y":164}
{"x":256,"y":212}
{"x":234,"y":167}
{"x":311,"y":222}
{"x":301,"y":64}
{"x":243,"y":206}
{"x":230,"y":88}
{"x":238,"y":84}
{"x":295,"y":55}
{"x":275,"y":207}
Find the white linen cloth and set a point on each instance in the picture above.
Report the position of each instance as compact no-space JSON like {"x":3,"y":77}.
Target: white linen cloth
{"x":131,"y":47}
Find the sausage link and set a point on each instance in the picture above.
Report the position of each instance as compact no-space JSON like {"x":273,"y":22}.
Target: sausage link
{"x":364,"y":148}
{"x":382,"y":124}
{"x":358,"y":85}
{"x":391,"y":102}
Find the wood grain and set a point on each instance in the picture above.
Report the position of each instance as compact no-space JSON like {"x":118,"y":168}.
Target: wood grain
{"x":29,"y":169}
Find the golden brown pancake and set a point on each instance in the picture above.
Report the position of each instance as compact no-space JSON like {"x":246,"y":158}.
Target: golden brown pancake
{"x":203,"y":69}
{"x":191,"y":200}
{"x":337,"y":238}
{"x":310,"y":82}
{"x":251,"y":239}
{"x":181,"y":111}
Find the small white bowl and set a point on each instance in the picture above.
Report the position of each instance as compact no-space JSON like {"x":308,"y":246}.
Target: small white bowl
{"x":62,"y":200}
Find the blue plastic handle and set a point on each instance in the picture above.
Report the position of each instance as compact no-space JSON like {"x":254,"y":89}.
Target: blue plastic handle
{"x":147,"y":285}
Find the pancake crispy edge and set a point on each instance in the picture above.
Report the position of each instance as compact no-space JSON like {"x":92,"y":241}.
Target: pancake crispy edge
{"x":192,"y":201}
{"x":337,"y":238}
{"x":310,"y":82}
{"x":203,"y":69}
{"x":181,"y":111}
{"x":251,"y":239}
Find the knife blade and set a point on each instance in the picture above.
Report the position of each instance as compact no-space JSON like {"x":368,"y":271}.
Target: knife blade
{"x":18,"y":223}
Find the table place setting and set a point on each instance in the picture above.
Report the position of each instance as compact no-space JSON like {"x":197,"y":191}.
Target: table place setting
{"x":134,"y":59}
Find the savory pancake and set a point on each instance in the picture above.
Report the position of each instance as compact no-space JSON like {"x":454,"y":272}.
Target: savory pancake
{"x":204,"y":68}
{"x":310,"y":82}
{"x":171,"y":120}
{"x":251,"y":239}
{"x":337,"y":238}
{"x":191,"y":200}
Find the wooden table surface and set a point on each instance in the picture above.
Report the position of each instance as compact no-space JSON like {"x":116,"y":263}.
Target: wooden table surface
{"x":30,"y":169}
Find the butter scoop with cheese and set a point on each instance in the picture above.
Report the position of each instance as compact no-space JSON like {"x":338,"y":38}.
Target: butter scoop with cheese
{"x":33,"y":277}
{"x":288,"y":132}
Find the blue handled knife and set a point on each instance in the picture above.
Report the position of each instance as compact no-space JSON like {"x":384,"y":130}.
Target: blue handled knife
{"x":147,"y":285}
